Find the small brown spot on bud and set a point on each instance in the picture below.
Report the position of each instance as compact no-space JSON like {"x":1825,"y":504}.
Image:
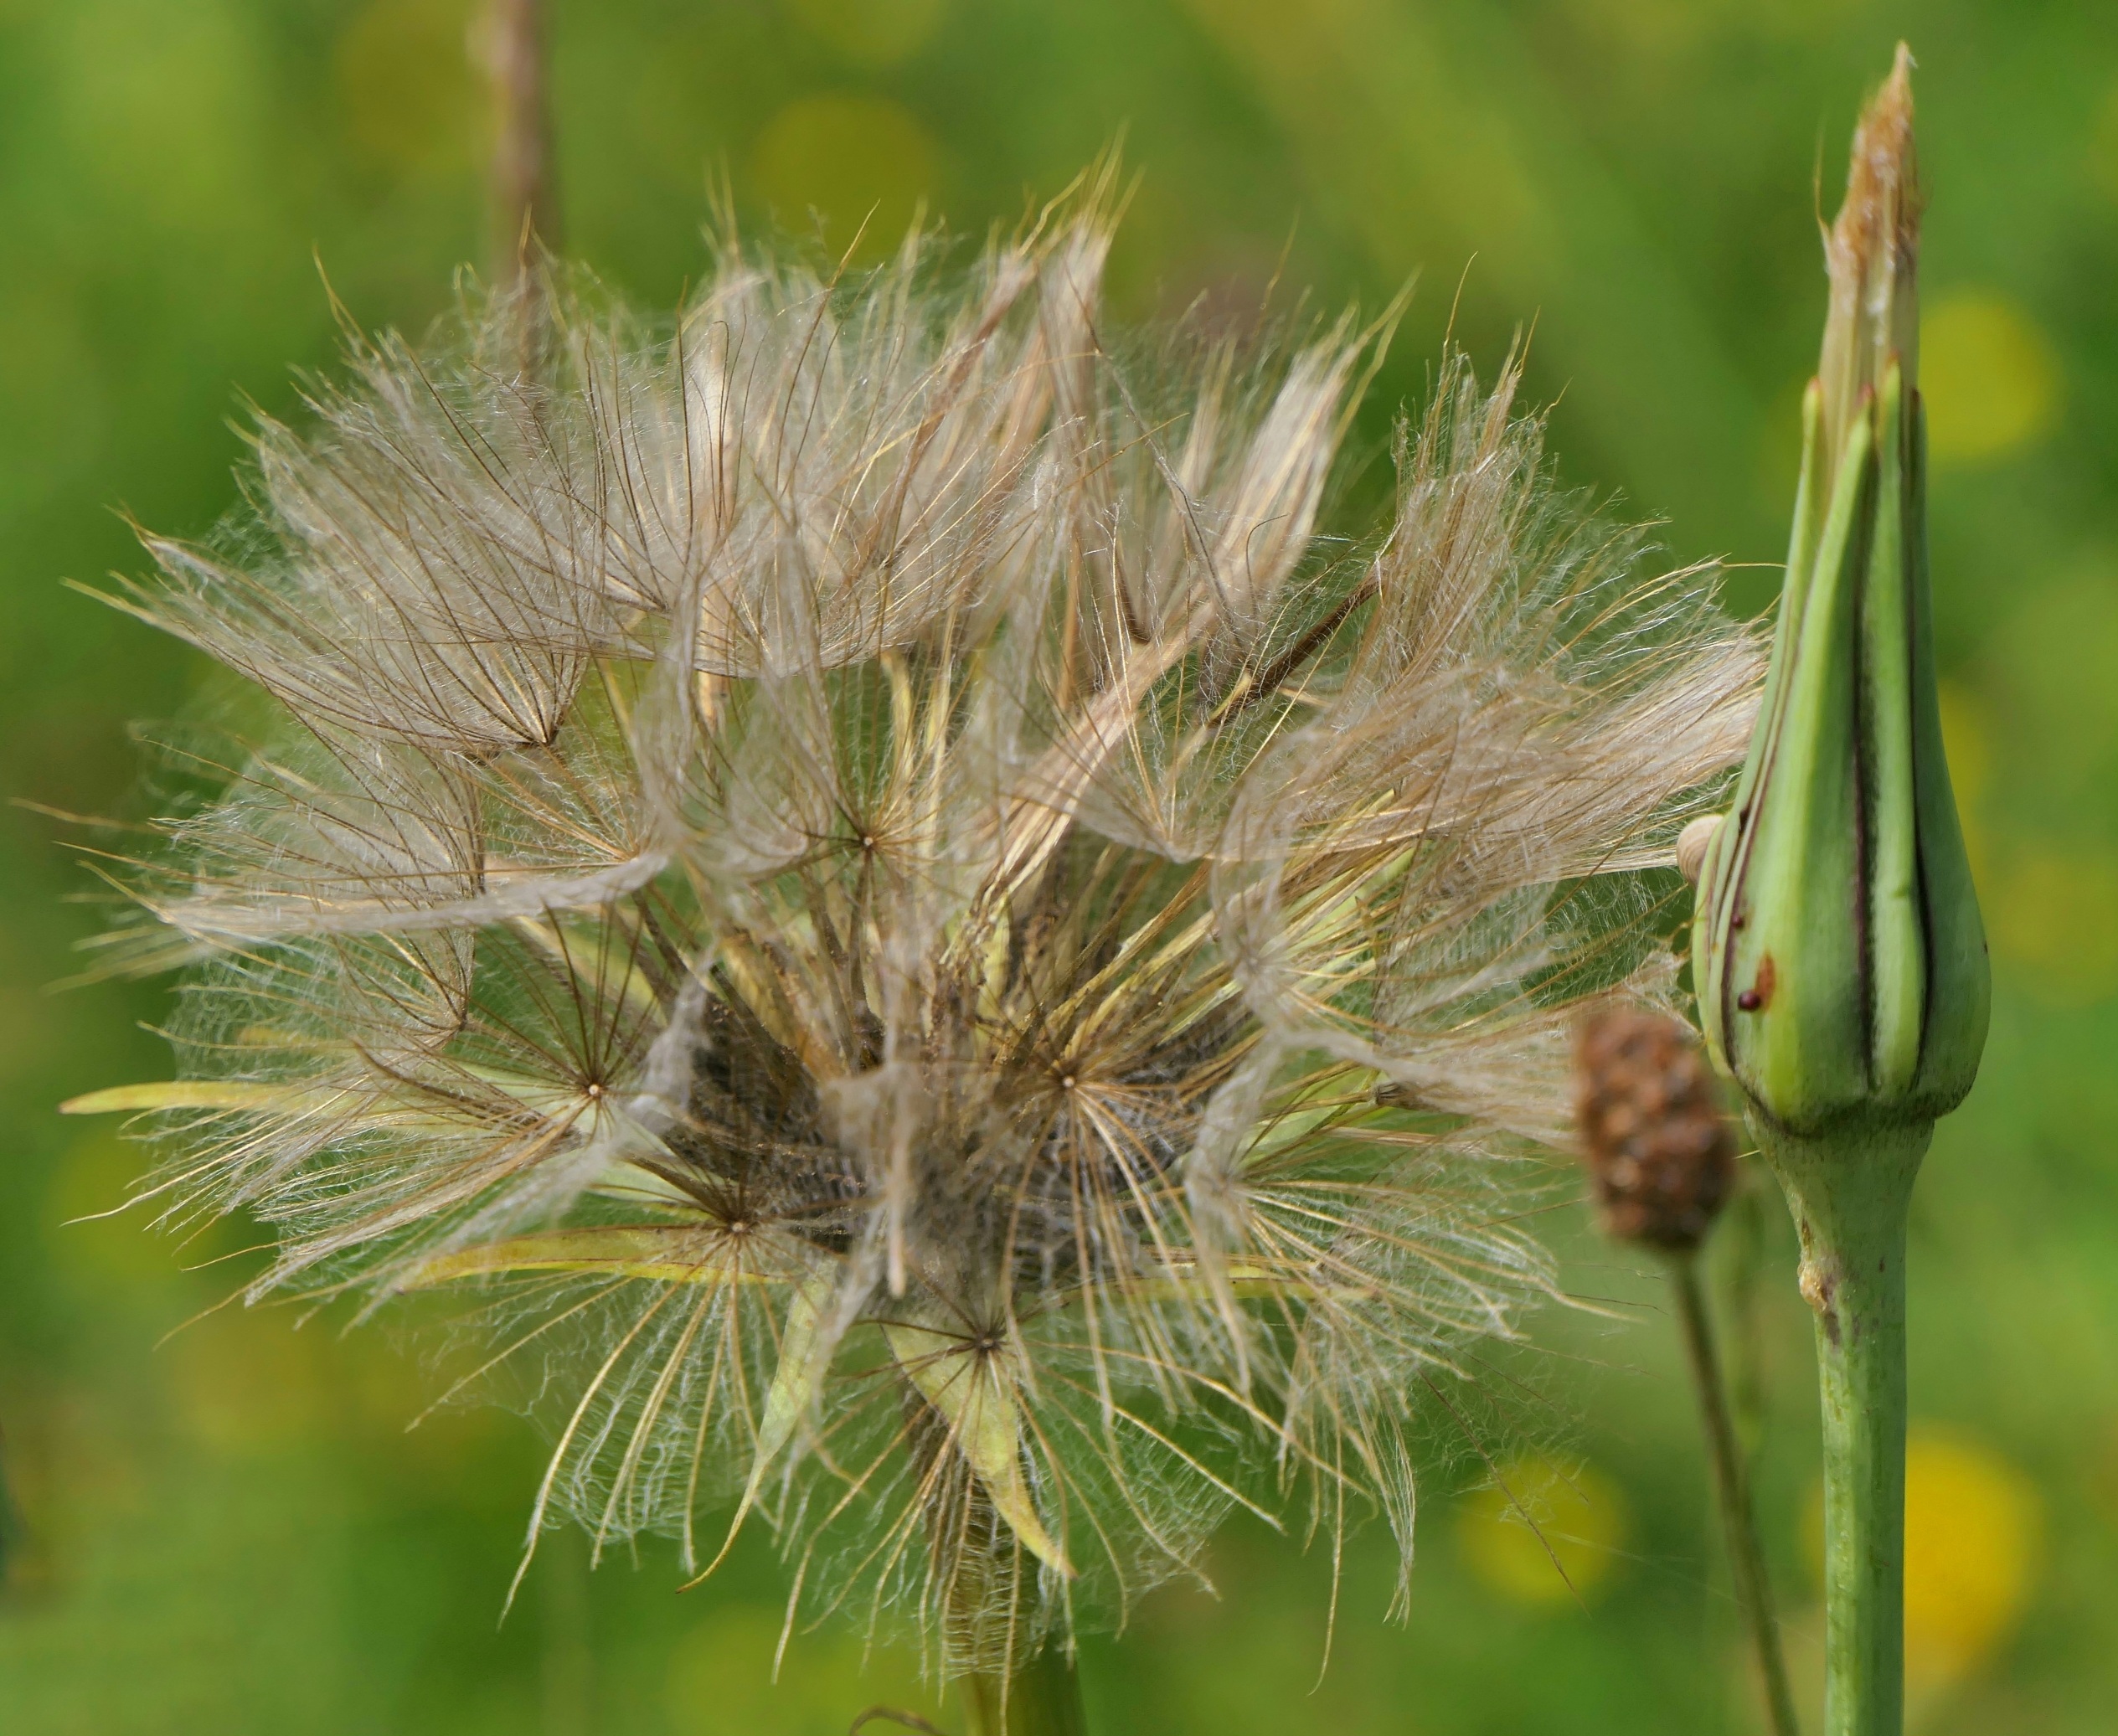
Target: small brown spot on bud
{"x":1759,"y":996}
{"x":1660,"y":1157}
{"x":1768,"y":978}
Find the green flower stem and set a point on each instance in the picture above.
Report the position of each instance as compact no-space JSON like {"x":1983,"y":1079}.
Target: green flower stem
{"x":1732,"y":1485}
{"x":1042,"y":1697}
{"x":1851,"y":1192}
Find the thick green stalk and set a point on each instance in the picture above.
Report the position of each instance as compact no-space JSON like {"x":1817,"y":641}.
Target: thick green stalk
{"x":1041,"y":1697}
{"x":1851,"y":1192}
{"x":1731,"y":1485}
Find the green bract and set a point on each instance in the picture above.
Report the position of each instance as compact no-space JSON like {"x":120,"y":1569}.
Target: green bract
{"x":1840,"y":959}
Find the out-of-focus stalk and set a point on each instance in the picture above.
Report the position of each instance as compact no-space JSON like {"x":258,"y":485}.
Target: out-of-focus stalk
{"x":525,"y":207}
{"x":1732,"y":1492}
{"x":1040,"y":1697}
{"x":1839,"y":954}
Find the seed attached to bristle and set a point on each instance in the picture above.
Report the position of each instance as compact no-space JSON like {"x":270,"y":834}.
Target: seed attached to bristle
{"x":1692,"y":843}
{"x":1659,"y":1153}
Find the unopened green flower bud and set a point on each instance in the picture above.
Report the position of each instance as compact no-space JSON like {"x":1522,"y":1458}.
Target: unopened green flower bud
{"x":1839,"y":957}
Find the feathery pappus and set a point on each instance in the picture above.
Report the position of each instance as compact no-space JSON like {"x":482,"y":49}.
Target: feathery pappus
{"x":861,"y":871}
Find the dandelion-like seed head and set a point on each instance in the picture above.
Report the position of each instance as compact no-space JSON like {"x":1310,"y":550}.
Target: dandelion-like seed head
{"x":862,"y":871}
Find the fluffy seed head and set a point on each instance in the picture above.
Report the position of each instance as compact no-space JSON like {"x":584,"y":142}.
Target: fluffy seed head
{"x":862,"y":863}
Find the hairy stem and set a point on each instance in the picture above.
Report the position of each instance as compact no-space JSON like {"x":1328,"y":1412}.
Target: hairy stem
{"x":1731,"y":1485}
{"x":1042,"y":1696}
{"x":1851,"y":1192}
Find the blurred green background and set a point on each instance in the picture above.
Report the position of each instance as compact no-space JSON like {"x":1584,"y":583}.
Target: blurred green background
{"x":232,"y":1530}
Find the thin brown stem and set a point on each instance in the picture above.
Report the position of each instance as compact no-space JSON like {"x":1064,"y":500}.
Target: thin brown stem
{"x":1731,"y":1485}
{"x":525,"y":206}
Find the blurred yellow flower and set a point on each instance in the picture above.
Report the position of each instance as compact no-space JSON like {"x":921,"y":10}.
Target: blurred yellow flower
{"x":1990,"y":383}
{"x":1543,"y":1533}
{"x":870,"y":32}
{"x":854,"y":160}
{"x":1972,"y":1526}
{"x":1973,"y":1533}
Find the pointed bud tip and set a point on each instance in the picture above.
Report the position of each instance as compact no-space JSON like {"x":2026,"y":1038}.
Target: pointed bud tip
{"x":1872,"y":254}
{"x":1882,"y":181}
{"x":1829,"y":1010}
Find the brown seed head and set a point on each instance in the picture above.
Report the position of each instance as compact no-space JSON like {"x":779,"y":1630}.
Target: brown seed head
{"x":1658,"y":1149}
